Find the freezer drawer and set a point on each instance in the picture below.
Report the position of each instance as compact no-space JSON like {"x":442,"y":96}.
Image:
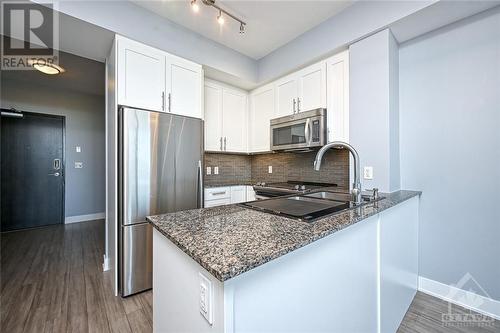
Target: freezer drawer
{"x":137,"y":258}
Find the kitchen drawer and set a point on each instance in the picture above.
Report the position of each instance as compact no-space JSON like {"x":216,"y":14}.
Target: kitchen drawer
{"x":217,"y":193}
{"x":238,"y":194}
{"x":217,"y":202}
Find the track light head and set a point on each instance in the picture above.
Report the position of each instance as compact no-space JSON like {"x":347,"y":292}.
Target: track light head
{"x":220,"y":18}
{"x":194,"y":6}
{"x":242,"y":28}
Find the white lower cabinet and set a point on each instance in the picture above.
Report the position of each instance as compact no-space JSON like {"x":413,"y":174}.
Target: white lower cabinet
{"x":238,"y":194}
{"x":219,"y":196}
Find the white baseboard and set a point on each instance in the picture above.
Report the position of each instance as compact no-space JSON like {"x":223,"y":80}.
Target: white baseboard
{"x":464,"y":298}
{"x":82,"y":218}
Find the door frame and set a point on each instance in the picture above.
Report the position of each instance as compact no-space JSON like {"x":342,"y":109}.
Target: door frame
{"x":63,"y":159}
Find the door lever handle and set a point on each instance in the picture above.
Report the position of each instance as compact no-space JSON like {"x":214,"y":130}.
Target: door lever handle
{"x":56,"y":174}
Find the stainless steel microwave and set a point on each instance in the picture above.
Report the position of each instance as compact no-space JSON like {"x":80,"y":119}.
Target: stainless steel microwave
{"x":300,"y":131}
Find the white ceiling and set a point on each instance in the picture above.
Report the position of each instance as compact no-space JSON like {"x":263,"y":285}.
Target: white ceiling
{"x":270,"y":24}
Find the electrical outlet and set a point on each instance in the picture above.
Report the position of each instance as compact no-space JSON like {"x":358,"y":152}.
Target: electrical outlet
{"x":206,"y":298}
{"x":78,"y":165}
{"x":209,"y":170}
{"x":368,"y":172}
{"x":78,"y":149}
{"x":216,"y":170}
{"x":270,"y":169}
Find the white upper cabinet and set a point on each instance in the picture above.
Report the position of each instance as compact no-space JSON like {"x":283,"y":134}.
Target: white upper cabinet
{"x":234,"y":124}
{"x":312,"y":87}
{"x":183,"y":86}
{"x":301,"y":91}
{"x":141,"y":75}
{"x":226,"y":118}
{"x":152,"y":79}
{"x":338,"y":97}
{"x":262,"y":106}
{"x":286,"y":96}
{"x":213,"y":117}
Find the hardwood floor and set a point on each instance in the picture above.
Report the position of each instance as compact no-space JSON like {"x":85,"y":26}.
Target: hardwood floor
{"x":51,"y":280}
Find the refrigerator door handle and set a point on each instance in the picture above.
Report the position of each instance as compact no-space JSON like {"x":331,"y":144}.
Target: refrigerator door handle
{"x":200,"y":185}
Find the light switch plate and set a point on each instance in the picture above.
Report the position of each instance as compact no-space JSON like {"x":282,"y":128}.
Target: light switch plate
{"x":78,"y":165}
{"x":368,"y":172}
{"x":270,"y":169}
{"x":216,"y":170}
{"x":209,"y":170}
{"x":206,"y":298}
{"x":78,"y":149}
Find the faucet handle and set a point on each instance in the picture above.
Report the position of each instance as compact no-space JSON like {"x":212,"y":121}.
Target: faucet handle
{"x":374,"y":192}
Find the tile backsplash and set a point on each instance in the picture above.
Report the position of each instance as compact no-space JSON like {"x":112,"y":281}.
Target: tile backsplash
{"x":285,"y":167}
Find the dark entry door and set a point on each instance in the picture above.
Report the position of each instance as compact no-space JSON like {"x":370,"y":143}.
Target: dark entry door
{"x":32,"y":171}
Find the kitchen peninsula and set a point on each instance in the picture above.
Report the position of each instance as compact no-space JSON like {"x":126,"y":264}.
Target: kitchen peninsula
{"x":235,"y":269}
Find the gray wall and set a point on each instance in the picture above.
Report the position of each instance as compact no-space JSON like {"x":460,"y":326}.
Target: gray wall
{"x":373,"y":108}
{"x":85,"y":188}
{"x":450,"y":147}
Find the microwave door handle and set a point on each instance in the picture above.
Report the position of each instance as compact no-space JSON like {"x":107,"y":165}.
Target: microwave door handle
{"x":308,"y":132}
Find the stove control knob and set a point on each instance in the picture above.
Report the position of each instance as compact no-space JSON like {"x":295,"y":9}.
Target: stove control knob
{"x":303,"y":187}
{"x":297,"y":187}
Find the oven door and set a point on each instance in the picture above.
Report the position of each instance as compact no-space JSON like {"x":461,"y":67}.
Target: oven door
{"x":298,"y":134}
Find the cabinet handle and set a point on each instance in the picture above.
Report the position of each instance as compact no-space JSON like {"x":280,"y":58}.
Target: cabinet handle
{"x":221,"y":143}
{"x":219,"y":193}
{"x":163,"y":101}
{"x":294,"y":104}
{"x":224,"y":143}
{"x":298,"y":104}
{"x":169,"y":102}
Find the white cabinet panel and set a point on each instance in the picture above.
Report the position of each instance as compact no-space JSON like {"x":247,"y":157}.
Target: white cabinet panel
{"x":286,"y":96}
{"x":141,"y":75}
{"x":234,"y":124}
{"x":312,"y":87}
{"x":218,"y":202}
{"x":250,"y":193}
{"x":238,"y":194}
{"x":261,"y":112}
{"x":215,"y":193}
{"x":184,"y":87}
{"x":338,"y":97}
{"x":213,"y":117}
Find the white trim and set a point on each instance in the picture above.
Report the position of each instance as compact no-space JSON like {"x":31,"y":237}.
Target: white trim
{"x":489,"y":306}
{"x":82,"y":218}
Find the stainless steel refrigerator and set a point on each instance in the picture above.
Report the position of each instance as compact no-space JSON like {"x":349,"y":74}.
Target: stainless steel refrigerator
{"x":160,"y":171}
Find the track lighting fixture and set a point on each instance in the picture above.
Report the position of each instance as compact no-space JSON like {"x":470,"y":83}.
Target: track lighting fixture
{"x":220,"y":17}
{"x":194,"y":6}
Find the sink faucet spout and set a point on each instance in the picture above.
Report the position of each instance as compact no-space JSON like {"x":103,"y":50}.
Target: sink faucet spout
{"x":356,"y":186}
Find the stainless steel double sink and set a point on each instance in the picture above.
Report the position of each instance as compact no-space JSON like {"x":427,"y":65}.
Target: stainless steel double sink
{"x":310,"y":206}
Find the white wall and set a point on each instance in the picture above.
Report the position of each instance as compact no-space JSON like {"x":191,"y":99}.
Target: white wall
{"x":373,"y":108}
{"x":450,"y":147}
{"x":85,"y":191}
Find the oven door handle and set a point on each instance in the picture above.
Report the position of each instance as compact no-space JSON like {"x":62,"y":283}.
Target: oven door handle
{"x":308,"y":132}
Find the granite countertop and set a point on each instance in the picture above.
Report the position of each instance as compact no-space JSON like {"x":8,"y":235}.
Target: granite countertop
{"x":223,"y":184}
{"x":230,"y":240}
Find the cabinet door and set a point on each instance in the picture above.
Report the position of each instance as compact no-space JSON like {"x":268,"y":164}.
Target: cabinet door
{"x":238,"y":194}
{"x":213,"y":117}
{"x":140,"y":75}
{"x":338,"y":97}
{"x":261,"y":112}
{"x":234,"y":120}
{"x":183,"y":84}
{"x":312,"y":87}
{"x":286,"y":96}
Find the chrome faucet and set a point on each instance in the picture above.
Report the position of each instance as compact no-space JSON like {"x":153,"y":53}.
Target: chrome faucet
{"x":356,"y":186}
